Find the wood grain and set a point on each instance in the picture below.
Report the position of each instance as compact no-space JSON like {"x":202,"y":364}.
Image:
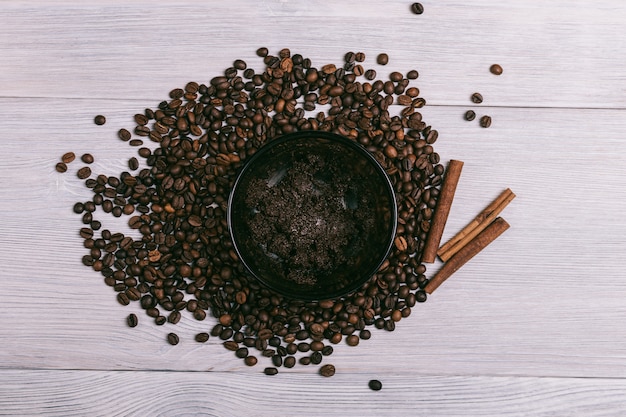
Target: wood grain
{"x":79,"y":393}
{"x":551,"y":53}
{"x":534,"y":325}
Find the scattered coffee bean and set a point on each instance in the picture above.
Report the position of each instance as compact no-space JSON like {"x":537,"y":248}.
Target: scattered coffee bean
{"x":327,"y":370}
{"x":375,"y":385}
{"x":87,"y":158}
{"x":184,"y":262}
{"x":485,"y":121}
{"x":83,"y":173}
{"x":61,"y":167}
{"x":132,"y":320}
{"x":133,"y":163}
{"x":382,"y":59}
{"x":352,"y":340}
{"x":470,"y":115}
{"x":477,"y":98}
{"x":495,"y":69}
{"x":124,"y":135}
{"x":68,"y":157}
{"x":270,"y":371}
{"x":412,"y":75}
{"x":202,"y":337}
{"x":417,"y":8}
{"x":99,"y":120}
{"x":172,"y":339}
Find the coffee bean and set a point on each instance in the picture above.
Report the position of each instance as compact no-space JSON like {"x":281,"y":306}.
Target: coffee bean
{"x":412,"y":75}
{"x":359,"y":57}
{"x":202,"y":337}
{"x":133,"y":163}
{"x":477,"y":98}
{"x":61,"y":167}
{"x":87,"y":158}
{"x":289,"y":362}
{"x":270,"y":371}
{"x":417,"y":8}
{"x":375,"y":385}
{"x":470,"y":115}
{"x":485,"y":121}
{"x":99,"y":120}
{"x":382,"y":59}
{"x":495,"y":69}
{"x":172,"y":339}
{"x":68,"y":157}
{"x":132,"y":320}
{"x":124,"y":135}
{"x":352,"y":340}
{"x":83,"y":173}
{"x":250,"y":360}
{"x":370,"y":74}
{"x":136,"y":142}
{"x":241,"y":352}
{"x":327,"y":370}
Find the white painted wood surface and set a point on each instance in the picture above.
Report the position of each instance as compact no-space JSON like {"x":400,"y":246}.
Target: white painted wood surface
{"x":535,"y":325}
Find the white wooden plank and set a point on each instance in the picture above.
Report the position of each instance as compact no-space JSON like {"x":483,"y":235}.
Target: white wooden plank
{"x":555,"y":54}
{"x":79,"y":393}
{"x":546,"y":299}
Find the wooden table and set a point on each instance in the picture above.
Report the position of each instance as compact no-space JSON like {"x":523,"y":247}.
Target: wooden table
{"x":534,"y":325}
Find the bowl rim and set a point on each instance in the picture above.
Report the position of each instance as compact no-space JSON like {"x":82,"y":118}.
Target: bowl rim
{"x":388,"y":185}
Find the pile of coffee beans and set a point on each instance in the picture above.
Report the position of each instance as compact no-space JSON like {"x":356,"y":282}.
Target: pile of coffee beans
{"x":184,"y":262}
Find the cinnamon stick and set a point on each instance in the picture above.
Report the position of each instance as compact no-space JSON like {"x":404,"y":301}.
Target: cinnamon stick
{"x":480,"y":222}
{"x":484,"y":238}
{"x":440,"y":217}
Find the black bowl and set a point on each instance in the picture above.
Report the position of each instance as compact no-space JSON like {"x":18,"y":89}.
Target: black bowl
{"x":312,"y":215}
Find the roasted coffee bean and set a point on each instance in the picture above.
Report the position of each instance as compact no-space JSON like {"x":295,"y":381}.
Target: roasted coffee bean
{"x":132,"y":320}
{"x":61,"y":167}
{"x":477,"y":98}
{"x":370,"y":74}
{"x":133,"y":163}
{"x":136,"y":142}
{"x":270,"y":371}
{"x":375,"y":385}
{"x":83,"y":173}
{"x":417,"y":8}
{"x":68,"y":157}
{"x":485,"y":121}
{"x":289,"y":362}
{"x":495,"y":69}
{"x":250,"y":360}
{"x":87,"y":158}
{"x":202,"y":337}
{"x":327,"y":370}
{"x":412,"y":75}
{"x":382,"y":59}
{"x":99,"y":120}
{"x":124,"y":135}
{"x":352,"y":340}
{"x":172,"y":339}
{"x":470,"y":115}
